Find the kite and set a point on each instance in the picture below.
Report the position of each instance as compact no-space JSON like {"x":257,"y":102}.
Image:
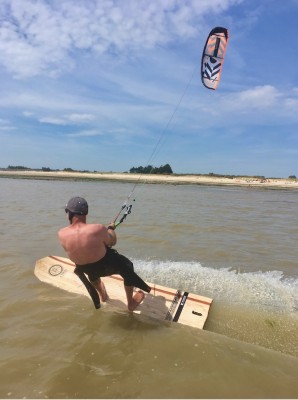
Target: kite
{"x":213,"y":57}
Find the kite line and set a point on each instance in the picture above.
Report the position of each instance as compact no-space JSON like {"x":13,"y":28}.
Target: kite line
{"x":211,"y":68}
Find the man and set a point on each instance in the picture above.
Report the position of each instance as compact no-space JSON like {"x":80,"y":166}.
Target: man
{"x":89,"y":247}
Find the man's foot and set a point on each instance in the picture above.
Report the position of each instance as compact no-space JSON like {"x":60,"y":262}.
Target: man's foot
{"x":100,"y":287}
{"x":136,"y":300}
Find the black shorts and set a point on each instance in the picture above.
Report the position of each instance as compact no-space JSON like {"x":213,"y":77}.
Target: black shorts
{"x":113,"y":263}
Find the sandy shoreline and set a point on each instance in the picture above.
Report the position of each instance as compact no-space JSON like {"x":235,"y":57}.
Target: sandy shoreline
{"x":272,"y":183}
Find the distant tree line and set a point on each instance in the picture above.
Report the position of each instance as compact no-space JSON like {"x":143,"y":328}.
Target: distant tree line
{"x":44,"y":169}
{"x":17,"y":167}
{"x":163,"y":169}
{"x":235,"y":176}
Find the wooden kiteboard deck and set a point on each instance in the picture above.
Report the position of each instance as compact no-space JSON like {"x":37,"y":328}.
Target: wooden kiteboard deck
{"x":161,"y":303}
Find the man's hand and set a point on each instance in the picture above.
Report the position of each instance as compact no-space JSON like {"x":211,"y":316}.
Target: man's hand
{"x":112,"y":226}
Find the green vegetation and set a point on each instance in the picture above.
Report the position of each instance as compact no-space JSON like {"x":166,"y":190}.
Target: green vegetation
{"x":18,"y":168}
{"x":44,"y":169}
{"x":77,"y":170}
{"x":163,"y":169}
{"x":235,"y":176}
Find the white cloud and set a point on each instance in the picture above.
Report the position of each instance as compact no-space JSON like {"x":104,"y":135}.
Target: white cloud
{"x":52,"y":121}
{"x":27,"y":114}
{"x":5,"y":125}
{"x":259,"y":105}
{"x":268,"y":100}
{"x":6,"y":128}
{"x":80,"y":118}
{"x":86,"y":133}
{"x":258,"y":97}
{"x":68,"y":119}
{"x":292,"y":105}
{"x":291,"y":102}
{"x":41,"y":37}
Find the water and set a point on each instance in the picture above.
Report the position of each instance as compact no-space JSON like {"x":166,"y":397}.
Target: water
{"x":236,"y":245}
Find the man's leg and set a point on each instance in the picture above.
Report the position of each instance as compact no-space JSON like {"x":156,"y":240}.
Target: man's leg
{"x":100,"y":287}
{"x":126,"y":270}
{"x":133,"y":301}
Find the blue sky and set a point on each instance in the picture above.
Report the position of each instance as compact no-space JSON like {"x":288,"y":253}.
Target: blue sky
{"x":93,"y":85}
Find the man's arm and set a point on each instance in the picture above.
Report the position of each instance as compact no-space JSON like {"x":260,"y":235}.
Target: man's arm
{"x":111,"y":235}
{"x":61,"y":237}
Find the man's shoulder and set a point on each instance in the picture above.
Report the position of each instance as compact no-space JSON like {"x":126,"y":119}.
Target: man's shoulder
{"x":96,"y":227}
{"x":61,"y":231}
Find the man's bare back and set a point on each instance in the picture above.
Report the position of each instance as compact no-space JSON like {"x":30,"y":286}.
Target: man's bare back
{"x":85,"y":243}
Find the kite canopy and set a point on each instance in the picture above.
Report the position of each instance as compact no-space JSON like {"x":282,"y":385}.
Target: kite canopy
{"x":213,"y":57}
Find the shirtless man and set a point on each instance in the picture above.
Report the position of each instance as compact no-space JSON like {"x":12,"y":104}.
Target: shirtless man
{"x":89,"y":247}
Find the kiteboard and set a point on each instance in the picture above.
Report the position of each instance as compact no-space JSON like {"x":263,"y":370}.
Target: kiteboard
{"x":162,"y":303}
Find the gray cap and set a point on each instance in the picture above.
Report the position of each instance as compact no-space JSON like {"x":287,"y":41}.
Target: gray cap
{"x":77,"y":205}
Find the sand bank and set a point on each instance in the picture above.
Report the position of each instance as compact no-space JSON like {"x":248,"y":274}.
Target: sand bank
{"x":270,"y":183}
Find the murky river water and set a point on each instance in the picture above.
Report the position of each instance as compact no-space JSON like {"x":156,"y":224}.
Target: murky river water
{"x":236,"y":245}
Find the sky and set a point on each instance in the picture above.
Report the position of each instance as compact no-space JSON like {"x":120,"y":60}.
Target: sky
{"x":107,"y":85}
